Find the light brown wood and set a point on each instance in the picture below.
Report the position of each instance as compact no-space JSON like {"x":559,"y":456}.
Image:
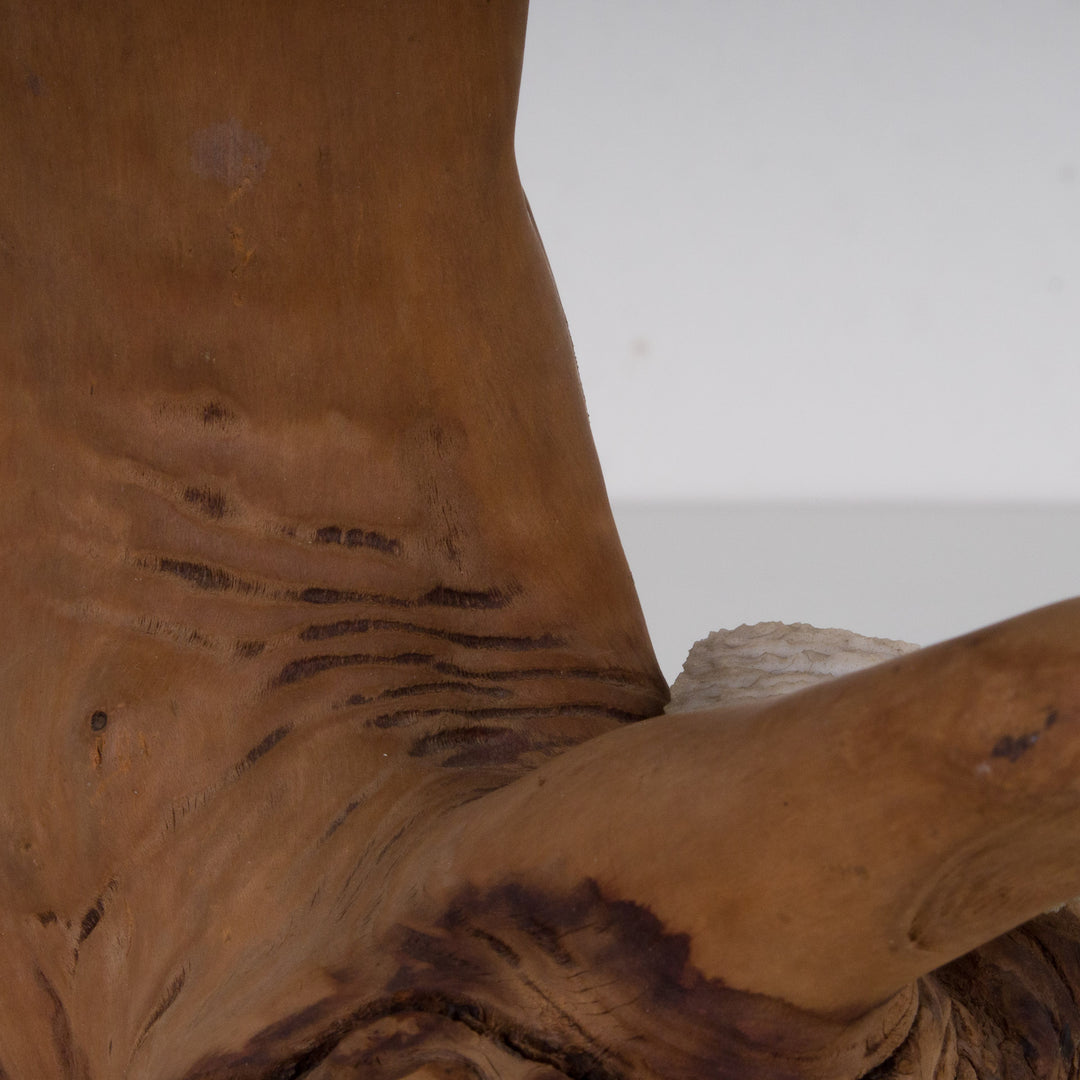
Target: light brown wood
{"x":918,"y":808}
{"x":320,"y":661}
{"x":304,"y":536}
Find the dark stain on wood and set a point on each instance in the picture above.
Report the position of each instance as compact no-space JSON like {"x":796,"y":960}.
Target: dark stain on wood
{"x":343,"y":627}
{"x":72,"y":1062}
{"x":501,"y":972}
{"x":318,"y":595}
{"x":358,"y":538}
{"x":91,"y":920}
{"x":171,"y":994}
{"x":609,"y":676}
{"x":484,"y":600}
{"x":497,"y":945}
{"x":1014,"y":747}
{"x":210,"y":578}
{"x":351,"y":806}
{"x":443,"y":597}
{"x":532,"y":915}
{"x":307,"y":667}
{"x":215,"y":414}
{"x":374,"y":540}
{"x":325,"y":631}
{"x":643,"y":1011}
{"x":426,"y":1035}
{"x":417,"y":689}
{"x":315,"y":595}
{"x":522,"y":712}
{"x":209,"y":502}
{"x":473,"y":745}
{"x":264,"y":746}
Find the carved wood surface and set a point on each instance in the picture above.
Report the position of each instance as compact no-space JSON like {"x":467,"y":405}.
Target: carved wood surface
{"x":329,"y":734}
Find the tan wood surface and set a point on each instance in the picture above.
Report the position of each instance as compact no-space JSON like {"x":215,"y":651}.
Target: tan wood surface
{"x":321,"y":663}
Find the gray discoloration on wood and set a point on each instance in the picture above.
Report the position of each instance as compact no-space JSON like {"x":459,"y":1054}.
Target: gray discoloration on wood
{"x":229,"y":154}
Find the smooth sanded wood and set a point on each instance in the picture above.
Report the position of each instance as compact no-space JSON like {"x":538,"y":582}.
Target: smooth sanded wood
{"x":321,"y":669}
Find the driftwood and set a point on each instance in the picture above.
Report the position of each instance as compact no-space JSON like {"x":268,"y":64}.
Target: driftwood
{"x":322,"y":669}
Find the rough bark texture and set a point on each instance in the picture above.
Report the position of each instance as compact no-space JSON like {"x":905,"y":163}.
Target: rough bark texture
{"x":1010,"y":1009}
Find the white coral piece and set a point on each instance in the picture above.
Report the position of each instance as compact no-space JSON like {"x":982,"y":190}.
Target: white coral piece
{"x":731,"y":667}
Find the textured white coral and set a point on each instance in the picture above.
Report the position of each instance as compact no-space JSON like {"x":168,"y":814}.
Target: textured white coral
{"x":730,"y":667}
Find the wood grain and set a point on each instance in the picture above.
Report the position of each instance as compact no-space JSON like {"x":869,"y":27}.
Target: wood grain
{"x":321,"y":668}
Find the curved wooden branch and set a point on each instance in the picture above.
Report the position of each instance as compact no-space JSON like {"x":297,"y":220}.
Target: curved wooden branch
{"x":828,"y":847}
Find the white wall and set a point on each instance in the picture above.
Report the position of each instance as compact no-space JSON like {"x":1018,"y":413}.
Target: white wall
{"x":825,"y":249}
{"x":918,"y":573}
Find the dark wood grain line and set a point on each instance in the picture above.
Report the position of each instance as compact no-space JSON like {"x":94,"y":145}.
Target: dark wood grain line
{"x":171,"y":994}
{"x":448,"y":687}
{"x":207,"y":501}
{"x":307,"y":667}
{"x":442,"y":596}
{"x":263,"y":747}
{"x":258,"y":1061}
{"x":215,"y":414}
{"x":358,"y":538}
{"x":72,"y":1061}
{"x":351,"y":806}
{"x":345,"y":627}
{"x":609,"y":676}
{"x":91,"y":919}
{"x":217,"y":579}
{"x":207,"y":578}
{"x":317,"y":594}
{"x":521,"y":712}
{"x":473,"y":599}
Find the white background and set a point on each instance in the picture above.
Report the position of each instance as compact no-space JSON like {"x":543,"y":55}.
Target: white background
{"x":816,"y":249}
{"x":919,"y":573}
{"x":821,"y":263}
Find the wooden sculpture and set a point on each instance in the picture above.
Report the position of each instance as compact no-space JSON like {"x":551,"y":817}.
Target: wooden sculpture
{"x":322,"y":669}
